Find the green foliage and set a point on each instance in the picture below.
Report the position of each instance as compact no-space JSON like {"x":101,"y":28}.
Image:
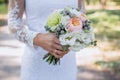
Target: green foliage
{"x":2,"y":22}
{"x":116,"y":1}
{"x":3,"y":1}
{"x":88,"y":2}
{"x":114,"y":64}
{"x":106,"y":22}
{"x":3,"y":9}
{"x":94,"y":43}
{"x":101,"y":2}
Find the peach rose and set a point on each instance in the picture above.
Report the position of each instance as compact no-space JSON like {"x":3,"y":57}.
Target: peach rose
{"x":74,"y":24}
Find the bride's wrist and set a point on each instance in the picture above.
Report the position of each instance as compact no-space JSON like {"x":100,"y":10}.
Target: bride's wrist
{"x":36,"y":39}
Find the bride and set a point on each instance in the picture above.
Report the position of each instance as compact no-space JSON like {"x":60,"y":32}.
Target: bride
{"x":38,"y":42}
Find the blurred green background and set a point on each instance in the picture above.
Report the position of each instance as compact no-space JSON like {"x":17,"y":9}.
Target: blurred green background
{"x":105,"y":18}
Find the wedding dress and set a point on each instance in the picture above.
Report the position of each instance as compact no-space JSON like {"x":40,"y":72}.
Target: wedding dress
{"x":33,"y":67}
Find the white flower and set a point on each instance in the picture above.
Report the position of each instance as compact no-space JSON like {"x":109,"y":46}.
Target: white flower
{"x":74,"y":11}
{"x":65,"y":20}
{"x":67,"y":39}
{"x":77,"y":47}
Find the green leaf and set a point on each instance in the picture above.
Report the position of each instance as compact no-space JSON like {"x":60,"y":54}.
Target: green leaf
{"x":95,"y":43}
{"x":65,"y":47}
{"x":51,"y":59}
{"x":47,"y":55}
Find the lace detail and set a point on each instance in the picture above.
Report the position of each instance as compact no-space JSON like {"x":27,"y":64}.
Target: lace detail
{"x":16,"y":25}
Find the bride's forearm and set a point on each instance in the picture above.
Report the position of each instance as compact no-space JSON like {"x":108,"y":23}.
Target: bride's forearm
{"x":81,"y":5}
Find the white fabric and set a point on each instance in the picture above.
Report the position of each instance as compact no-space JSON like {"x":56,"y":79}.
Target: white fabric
{"x":33,"y":67}
{"x":16,"y":25}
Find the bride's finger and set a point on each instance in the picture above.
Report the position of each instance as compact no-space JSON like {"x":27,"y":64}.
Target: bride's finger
{"x":57,"y":55}
{"x":58,"y":47}
{"x":56,"y":40}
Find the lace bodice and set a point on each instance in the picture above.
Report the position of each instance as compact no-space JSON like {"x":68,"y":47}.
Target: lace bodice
{"x":16,"y":25}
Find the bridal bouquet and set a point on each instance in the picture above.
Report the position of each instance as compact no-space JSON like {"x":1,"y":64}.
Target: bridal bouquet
{"x":73,"y":29}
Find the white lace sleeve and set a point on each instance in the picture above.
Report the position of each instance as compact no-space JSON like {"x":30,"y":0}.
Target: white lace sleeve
{"x":81,"y":5}
{"x":15,"y":22}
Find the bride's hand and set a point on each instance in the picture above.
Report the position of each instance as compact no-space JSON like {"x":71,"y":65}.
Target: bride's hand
{"x":50,"y":43}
